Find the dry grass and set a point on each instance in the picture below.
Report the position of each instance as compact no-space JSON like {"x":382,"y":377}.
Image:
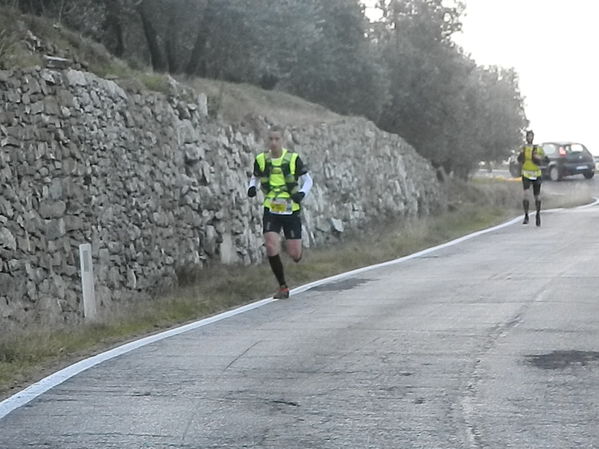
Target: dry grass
{"x":234,"y":102}
{"x":24,"y":39}
{"x":14,"y":52}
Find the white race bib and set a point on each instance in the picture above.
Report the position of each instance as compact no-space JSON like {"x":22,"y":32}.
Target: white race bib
{"x":281,"y":206}
{"x":532,"y":175}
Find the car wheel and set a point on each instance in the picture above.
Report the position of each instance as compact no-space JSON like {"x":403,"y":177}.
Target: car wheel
{"x":554,"y":173}
{"x":589,"y":174}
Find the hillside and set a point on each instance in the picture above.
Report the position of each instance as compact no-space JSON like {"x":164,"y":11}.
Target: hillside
{"x":28,"y":41}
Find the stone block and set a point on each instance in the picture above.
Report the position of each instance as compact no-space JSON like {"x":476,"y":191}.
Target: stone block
{"x":52,"y":209}
{"x":54,"y":229}
{"x":7,"y":239}
{"x":7,"y":283}
{"x":76,"y":78}
{"x":54,"y":62}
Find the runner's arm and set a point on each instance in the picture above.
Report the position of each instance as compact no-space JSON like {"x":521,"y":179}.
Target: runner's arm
{"x":307,"y":183}
{"x":255,"y":175}
{"x":303,"y":176}
{"x":253,"y":182}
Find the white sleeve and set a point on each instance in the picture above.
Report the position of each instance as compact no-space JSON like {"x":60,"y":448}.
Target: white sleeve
{"x":306,"y":183}
{"x":253,"y":182}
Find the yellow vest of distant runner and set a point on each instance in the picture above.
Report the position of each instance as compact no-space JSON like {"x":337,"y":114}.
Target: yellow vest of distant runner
{"x":278,"y":181}
{"x":531,"y":170}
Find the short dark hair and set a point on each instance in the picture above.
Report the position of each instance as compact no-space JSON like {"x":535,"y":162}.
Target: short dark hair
{"x":276,"y":129}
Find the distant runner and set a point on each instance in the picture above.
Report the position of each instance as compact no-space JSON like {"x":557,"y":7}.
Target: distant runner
{"x":531,"y":158}
{"x":278,"y":172}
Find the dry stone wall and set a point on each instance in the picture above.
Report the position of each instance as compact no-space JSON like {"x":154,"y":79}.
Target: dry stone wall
{"x":157,"y":186}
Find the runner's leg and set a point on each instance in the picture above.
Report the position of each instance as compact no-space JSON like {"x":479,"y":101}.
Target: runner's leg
{"x":272,"y":241}
{"x":292,"y":227}
{"x":525,"y":200}
{"x":537,"y":195}
{"x":271,"y":227}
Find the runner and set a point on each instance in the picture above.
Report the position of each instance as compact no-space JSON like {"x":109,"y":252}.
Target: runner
{"x":278,"y":172}
{"x":531,"y":158}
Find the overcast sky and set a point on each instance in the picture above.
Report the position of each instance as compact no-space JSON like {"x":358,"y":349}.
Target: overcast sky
{"x":554,"y":46}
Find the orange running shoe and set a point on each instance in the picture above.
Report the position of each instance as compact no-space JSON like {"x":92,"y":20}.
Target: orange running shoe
{"x":282,"y":293}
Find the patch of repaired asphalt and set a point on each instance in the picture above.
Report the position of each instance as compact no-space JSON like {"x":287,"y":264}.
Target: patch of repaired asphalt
{"x":345,"y":284}
{"x":562,"y":359}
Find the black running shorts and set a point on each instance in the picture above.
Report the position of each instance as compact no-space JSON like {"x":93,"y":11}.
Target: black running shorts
{"x":536,"y":185}
{"x":291,"y":224}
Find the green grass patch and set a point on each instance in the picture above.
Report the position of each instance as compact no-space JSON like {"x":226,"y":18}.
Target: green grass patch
{"x":113,"y":69}
{"x":156,"y":82}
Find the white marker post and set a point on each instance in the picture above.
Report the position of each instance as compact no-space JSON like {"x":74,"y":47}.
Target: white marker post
{"x":87,"y":282}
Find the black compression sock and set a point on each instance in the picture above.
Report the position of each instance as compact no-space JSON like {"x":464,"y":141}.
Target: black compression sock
{"x":277,"y":268}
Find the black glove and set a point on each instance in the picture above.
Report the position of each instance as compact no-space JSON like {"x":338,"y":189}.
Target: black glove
{"x":252,"y":192}
{"x":298,"y":197}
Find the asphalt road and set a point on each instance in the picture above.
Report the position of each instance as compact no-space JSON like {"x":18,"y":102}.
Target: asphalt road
{"x":491,"y":343}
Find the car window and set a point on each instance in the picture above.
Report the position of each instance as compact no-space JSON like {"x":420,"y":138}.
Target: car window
{"x":549,"y":149}
{"x":576,"y":148}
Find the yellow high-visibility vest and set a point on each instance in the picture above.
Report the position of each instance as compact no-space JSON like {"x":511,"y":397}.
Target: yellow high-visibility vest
{"x":531,"y":170}
{"x":277,"y":178}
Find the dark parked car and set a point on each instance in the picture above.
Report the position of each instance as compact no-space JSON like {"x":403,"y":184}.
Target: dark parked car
{"x":568,"y":159}
{"x":562,"y":159}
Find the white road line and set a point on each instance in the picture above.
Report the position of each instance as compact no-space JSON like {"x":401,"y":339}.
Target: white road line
{"x":28,"y":394}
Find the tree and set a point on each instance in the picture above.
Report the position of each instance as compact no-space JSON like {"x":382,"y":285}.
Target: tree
{"x":404,"y":72}
{"x":340,"y":68}
{"x":440,"y":101}
{"x":502,"y":116}
{"x":425,"y":71}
